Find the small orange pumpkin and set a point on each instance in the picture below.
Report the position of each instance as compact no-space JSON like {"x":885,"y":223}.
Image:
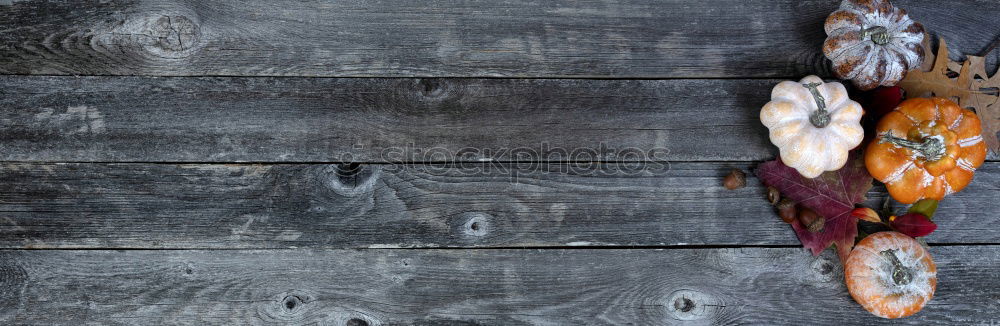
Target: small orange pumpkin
{"x":926,"y":148}
{"x":890,"y":275}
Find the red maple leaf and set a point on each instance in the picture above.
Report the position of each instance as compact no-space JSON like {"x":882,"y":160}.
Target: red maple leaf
{"x":832,"y":195}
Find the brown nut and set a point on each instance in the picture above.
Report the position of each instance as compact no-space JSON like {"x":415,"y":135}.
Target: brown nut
{"x":812,"y":221}
{"x":773,"y":196}
{"x":735,"y":180}
{"x":787,"y":210}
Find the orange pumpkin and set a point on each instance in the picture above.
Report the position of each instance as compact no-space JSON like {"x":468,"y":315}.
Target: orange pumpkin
{"x":926,"y":148}
{"x":890,"y":275}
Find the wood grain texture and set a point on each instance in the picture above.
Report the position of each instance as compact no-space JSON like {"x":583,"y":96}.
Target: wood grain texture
{"x":143,"y":119}
{"x":445,"y":38}
{"x":468,"y":287}
{"x":267,"y":119}
{"x":378,"y":206}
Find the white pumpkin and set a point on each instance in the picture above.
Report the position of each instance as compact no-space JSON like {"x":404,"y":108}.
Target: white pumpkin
{"x":814,"y":124}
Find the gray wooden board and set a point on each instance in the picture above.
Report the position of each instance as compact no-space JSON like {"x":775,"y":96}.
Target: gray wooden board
{"x":91,"y":205}
{"x":268,"y":119}
{"x":377,"y":120}
{"x":735,"y":286}
{"x":446,"y":38}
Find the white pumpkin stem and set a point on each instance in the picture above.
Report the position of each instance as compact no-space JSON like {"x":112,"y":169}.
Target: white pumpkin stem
{"x":901,"y":275}
{"x":932,"y":148}
{"x":820,"y":118}
{"x":878,"y":34}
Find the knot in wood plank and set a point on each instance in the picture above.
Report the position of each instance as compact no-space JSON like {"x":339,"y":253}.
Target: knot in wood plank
{"x":686,"y":304}
{"x":356,"y":322}
{"x":476,"y":224}
{"x":431,"y":87}
{"x":292,"y":302}
{"x":826,"y":270}
{"x":476,"y":227}
{"x":188,"y":269}
{"x":175,"y":34}
{"x":159,"y":36}
{"x":306,"y":307}
{"x":290,"y":306}
{"x":351,"y":179}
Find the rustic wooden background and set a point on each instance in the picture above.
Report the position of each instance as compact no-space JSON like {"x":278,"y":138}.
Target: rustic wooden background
{"x":221,"y":163}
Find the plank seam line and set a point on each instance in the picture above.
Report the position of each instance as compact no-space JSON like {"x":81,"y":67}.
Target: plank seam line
{"x":381,"y":163}
{"x":652,"y":247}
{"x":551,"y":77}
{"x":363,"y":162}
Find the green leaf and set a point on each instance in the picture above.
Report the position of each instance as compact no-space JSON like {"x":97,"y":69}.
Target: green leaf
{"x":925,"y":207}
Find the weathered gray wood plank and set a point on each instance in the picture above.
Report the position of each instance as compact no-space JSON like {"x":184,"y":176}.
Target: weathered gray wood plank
{"x":774,"y":286}
{"x":267,"y":119}
{"x":444,"y":38}
{"x":143,"y":119}
{"x":376,"y":206}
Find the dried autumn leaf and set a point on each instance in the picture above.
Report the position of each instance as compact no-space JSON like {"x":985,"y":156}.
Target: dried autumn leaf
{"x":832,"y":195}
{"x":972,"y":88}
{"x":986,"y":101}
{"x":867,"y":214}
{"x":913,"y":224}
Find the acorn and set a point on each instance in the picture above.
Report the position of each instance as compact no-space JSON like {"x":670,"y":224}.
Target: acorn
{"x":773,"y":195}
{"x":812,"y":221}
{"x":787,"y":210}
{"x":735,"y":180}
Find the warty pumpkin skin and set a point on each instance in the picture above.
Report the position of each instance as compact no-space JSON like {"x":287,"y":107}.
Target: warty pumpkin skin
{"x":872,"y":43}
{"x":905,"y":157}
{"x":813,"y":124}
{"x":890,"y":274}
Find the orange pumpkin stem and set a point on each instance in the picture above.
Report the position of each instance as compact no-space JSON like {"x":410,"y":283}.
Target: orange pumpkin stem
{"x":932,"y":148}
